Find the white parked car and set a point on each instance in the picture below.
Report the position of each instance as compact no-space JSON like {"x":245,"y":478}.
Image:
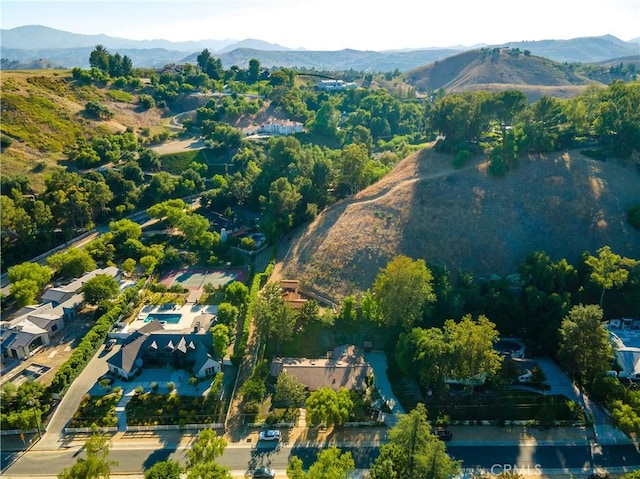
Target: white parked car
{"x":270,"y":435}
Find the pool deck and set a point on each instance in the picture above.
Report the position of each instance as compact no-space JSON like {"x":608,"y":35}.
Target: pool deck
{"x":191,"y":315}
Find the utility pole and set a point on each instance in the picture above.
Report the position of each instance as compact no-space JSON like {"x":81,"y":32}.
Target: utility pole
{"x":35,"y":416}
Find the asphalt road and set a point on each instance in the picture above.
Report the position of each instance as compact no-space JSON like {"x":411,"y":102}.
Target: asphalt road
{"x":134,"y":458}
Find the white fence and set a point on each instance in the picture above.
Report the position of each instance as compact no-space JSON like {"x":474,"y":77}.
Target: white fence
{"x":275,"y":426}
{"x":15,"y":432}
{"x":72,"y":430}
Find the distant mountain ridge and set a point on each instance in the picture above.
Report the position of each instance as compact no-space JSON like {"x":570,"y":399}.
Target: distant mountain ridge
{"x":56,"y":47}
{"x":37,"y":37}
{"x":585,"y":49}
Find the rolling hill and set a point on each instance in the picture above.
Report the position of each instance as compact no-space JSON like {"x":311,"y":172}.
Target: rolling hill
{"x":563,"y":204}
{"x":42,"y":113}
{"x":494,"y":69}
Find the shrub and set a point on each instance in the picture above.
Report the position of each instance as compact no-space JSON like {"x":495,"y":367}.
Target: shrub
{"x":633,"y":216}
{"x":5,"y":141}
{"x":171,"y":385}
{"x":462,"y":158}
{"x":146,"y":101}
{"x":95,"y":109}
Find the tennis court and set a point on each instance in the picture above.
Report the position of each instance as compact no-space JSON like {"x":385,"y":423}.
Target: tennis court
{"x":197,"y":279}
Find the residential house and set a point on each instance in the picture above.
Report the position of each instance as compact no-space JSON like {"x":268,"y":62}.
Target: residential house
{"x":625,"y":339}
{"x":345,"y":366}
{"x":335,"y":85}
{"x":33,"y":326}
{"x":152,"y":346}
{"x":290,"y":293}
{"x":281,"y":127}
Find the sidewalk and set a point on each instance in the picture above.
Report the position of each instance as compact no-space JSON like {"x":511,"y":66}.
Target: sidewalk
{"x":462,"y":436}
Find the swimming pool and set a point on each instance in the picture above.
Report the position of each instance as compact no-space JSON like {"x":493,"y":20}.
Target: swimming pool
{"x":171,"y":318}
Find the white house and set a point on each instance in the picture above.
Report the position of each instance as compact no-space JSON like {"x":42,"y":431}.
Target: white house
{"x":333,"y":85}
{"x":281,"y":127}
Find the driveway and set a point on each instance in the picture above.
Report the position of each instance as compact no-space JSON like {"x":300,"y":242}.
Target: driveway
{"x":378,"y":361}
{"x":54,"y":437}
{"x":604,"y":432}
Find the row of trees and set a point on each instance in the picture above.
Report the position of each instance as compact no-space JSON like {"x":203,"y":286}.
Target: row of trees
{"x":606,"y":116}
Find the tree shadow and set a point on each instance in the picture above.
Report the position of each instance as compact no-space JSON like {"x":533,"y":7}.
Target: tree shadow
{"x":261,"y":455}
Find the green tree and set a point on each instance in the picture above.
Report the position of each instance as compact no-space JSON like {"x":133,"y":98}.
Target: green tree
{"x":237,"y":294}
{"x":27,"y":279}
{"x":308,"y":313}
{"x":326,"y":406}
{"x":403,"y":289}
{"x":282,"y":203}
{"x":331,"y":463}
{"x":32,"y":271}
{"x":462,"y":351}
{"x":202,"y":456}
{"x":24,"y":292}
{"x":228,"y":314}
{"x":353,"y":162}
{"x":72,"y":263}
{"x":221,"y":339}
{"x":472,"y":344}
{"x":168,"y":469}
{"x":99,"y":288}
{"x":585,"y":350}
{"x":326,"y":121}
{"x":99,"y":58}
{"x":633,"y":216}
{"x":254,"y":71}
{"x":289,"y":390}
{"x":609,"y":270}
{"x":413,"y":452}
{"x":273,"y":318}
{"x":171,"y":210}
{"x":96,"y":465}
{"x":125,"y":229}
{"x":128,"y":265}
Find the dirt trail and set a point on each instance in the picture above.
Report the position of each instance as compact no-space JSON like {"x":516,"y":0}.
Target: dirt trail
{"x":563,"y":204}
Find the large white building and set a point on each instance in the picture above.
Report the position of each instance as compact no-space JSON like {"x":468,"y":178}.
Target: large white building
{"x":281,"y":127}
{"x":332,"y":85}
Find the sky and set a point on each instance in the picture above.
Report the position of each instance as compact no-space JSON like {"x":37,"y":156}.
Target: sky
{"x":334,"y":24}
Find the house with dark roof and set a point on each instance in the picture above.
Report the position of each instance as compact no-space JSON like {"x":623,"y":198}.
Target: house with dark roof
{"x":30,"y":330}
{"x":33,"y":326}
{"x":152,"y":346}
{"x":345,"y":366}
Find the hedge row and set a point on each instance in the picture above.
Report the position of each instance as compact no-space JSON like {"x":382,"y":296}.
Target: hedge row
{"x":90,"y":343}
{"x":246,"y":323}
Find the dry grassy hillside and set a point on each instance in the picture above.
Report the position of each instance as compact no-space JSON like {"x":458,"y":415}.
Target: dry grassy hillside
{"x":563,"y":204}
{"x":496,"y":70}
{"x":42,"y":113}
